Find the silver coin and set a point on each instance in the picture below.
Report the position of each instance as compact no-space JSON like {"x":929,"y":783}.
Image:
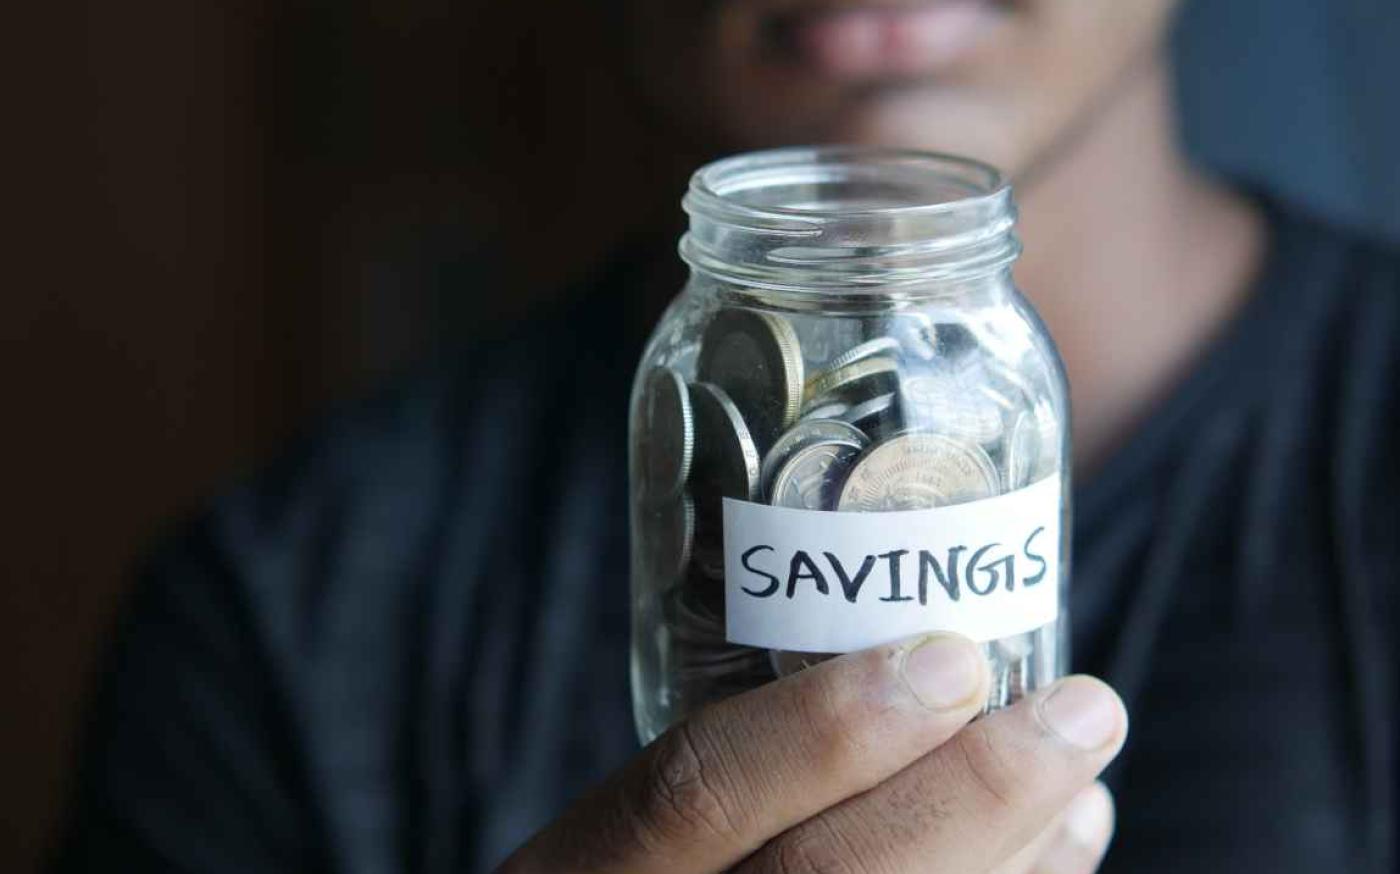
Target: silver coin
{"x":786,"y":662}
{"x":755,"y":358}
{"x":854,"y":382}
{"x":886,"y":346}
{"x":1023,"y":449}
{"x":874,"y":415}
{"x":1048,"y":428}
{"x":955,"y":339}
{"x":941,"y":402}
{"x":916,"y":471}
{"x":998,"y":398}
{"x":1010,"y":382}
{"x":1016,"y":681}
{"x":1015,"y":647}
{"x":813,"y":475}
{"x":726,"y":466}
{"x":918,"y":335}
{"x":726,"y":459}
{"x":833,"y":410}
{"x":666,"y":445}
{"x":719,"y":656}
{"x":825,"y":338}
{"x":705,"y":591}
{"x":1044,"y":663}
{"x":1010,"y":676}
{"x":668,"y":532}
{"x":697,"y":637}
{"x":708,"y":552}
{"x":690,"y":617}
{"x":801,"y":435}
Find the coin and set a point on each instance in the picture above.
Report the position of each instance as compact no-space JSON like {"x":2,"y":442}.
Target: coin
{"x":870,"y":349}
{"x":706,"y":590}
{"x":833,"y":410}
{"x":1010,"y":382}
{"x":918,"y":335}
{"x":726,"y":460}
{"x":998,"y":398}
{"x":1014,"y":648}
{"x":755,"y":358}
{"x":697,"y":638}
{"x":668,"y":532}
{"x":955,"y":339}
{"x":726,"y":466}
{"x":853,"y":383}
{"x":805,"y":433}
{"x":919,"y":470}
{"x":940,"y":402}
{"x":689,"y":617}
{"x":1010,"y":669}
{"x":875,"y":415}
{"x":1048,"y":429}
{"x":708,"y":551}
{"x":812,"y":476}
{"x":667,"y":443}
{"x":1022,"y":451}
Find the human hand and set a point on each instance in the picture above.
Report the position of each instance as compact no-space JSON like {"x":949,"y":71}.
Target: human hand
{"x":864,"y":763}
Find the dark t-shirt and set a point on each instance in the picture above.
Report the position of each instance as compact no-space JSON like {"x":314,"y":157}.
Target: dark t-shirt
{"x":404,"y":648}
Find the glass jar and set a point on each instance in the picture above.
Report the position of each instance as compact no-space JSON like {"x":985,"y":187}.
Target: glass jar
{"x":850,"y":427}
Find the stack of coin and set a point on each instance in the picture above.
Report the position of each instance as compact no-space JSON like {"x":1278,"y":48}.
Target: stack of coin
{"x":911,"y":420}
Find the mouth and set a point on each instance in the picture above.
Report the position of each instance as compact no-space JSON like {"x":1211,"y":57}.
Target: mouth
{"x":872,"y":41}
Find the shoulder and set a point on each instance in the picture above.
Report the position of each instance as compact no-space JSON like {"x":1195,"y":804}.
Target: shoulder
{"x":369,"y":502}
{"x":1346,"y":299}
{"x":334,"y":595}
{"x":1347,"y":315}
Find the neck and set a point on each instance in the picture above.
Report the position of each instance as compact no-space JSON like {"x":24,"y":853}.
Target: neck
{"x":1133,"y":259}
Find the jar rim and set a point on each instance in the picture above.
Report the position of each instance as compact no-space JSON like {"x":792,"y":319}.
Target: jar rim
{"x":810,"y":217}
{"x":713,"y":187}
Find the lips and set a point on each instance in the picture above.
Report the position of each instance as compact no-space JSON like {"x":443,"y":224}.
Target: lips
{"x":878,"y":41}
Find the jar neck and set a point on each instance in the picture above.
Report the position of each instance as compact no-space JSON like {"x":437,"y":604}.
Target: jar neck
{"x":850,"y":221}
{"x":970,"y":292}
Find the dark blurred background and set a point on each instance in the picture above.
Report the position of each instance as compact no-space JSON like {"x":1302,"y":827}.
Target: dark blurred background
{"x":232,"y":215}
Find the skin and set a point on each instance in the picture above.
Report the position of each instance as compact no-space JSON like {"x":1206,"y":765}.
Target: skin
{"x":863,"y":763}
{"x":1006,"y":95}
{"x":1071,"y":99}
{"x":1133,"y":258}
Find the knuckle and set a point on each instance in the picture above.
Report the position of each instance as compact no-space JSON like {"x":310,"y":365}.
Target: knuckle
{"x":807,"y":850}
{"x":837,"y":726}
{"x":683,"y":794}
{"x":990,"y":767}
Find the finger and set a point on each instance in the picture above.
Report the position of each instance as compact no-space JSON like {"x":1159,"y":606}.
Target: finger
{"x":1083,"y":835}
{"x":1074,"y":842}
{"x":972,"y":803}
{"x":714,"y":789}
{"x":1025,"y":859}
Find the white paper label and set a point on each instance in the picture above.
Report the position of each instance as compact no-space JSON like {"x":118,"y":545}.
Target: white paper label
{"x":814,"y":581}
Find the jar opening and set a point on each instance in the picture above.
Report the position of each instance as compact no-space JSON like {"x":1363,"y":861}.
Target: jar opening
{"x":848,"y":216}
{"x":841,"y":181}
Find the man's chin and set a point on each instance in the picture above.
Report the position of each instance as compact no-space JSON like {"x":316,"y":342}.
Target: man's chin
{"x":958,"y":127}
{"x":961,"y":120}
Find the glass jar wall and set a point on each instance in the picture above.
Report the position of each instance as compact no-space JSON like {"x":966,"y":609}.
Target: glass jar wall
{"x":849,"y":427}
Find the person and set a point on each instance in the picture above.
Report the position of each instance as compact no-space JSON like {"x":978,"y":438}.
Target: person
{"x":403,"y":648}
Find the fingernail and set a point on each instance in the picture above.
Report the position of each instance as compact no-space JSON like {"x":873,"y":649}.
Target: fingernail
{"x":1089,"y":820}
{"x":1083,"y":712}
{"x":943,"y":671}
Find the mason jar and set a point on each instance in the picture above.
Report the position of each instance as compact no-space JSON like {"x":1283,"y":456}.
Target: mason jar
{"x":850,"y":427}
